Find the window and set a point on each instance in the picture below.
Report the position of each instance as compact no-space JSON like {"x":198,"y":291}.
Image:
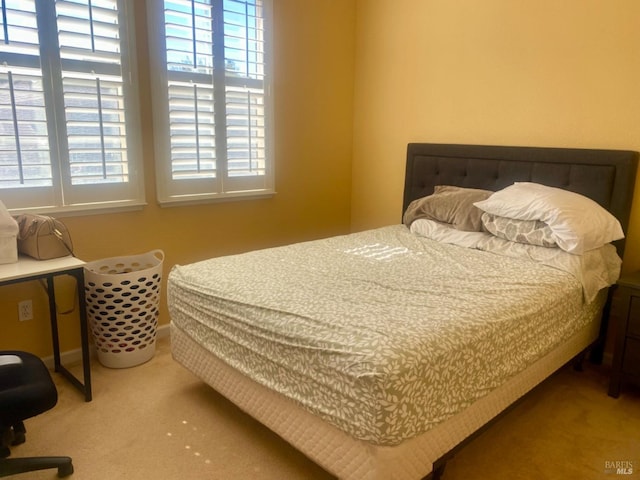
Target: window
{"x":211,"y":102}
{"x":66,"y":140}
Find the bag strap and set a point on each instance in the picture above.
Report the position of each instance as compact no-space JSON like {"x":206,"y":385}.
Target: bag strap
{"x":53,"y":225}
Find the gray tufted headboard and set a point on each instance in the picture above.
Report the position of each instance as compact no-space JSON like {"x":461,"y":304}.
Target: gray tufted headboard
{"x":606,"y":176}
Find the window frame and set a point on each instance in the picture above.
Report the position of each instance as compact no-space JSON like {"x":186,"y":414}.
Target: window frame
{"x":174,"y":192}
{"x":63,"y":197}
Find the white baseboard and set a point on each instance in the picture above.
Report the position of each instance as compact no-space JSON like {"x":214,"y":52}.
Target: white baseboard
{"x":75,"y":355}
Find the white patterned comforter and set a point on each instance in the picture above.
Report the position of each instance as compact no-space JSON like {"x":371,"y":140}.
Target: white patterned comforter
{"x":382,"y":333}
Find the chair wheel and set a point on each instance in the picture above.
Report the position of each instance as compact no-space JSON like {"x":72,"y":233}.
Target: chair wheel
{"x":18,"y":434}
{"x":18,"y":438}
{"x":65,"y":470}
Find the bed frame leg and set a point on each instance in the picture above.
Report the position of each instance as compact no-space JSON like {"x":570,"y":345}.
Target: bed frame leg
{"x":578,"y":360}
{"x":597,"y":351}
{"x":437,"y":472}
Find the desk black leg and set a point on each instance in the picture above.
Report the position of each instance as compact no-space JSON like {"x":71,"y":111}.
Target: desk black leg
{"x":84,"y":334}
{"x":85,"y":387}
{"x":53,"y":316}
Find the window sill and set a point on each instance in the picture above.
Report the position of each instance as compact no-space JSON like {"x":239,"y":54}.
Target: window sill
{"x":217,"y":198}
{"x":83,"y":210}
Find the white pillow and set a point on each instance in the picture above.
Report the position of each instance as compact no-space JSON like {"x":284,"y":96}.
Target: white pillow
{"x":578,"y":223}
{"x":445,"y":233}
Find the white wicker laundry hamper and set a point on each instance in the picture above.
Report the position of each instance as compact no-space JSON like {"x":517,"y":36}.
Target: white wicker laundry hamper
{"x":123,"y":299}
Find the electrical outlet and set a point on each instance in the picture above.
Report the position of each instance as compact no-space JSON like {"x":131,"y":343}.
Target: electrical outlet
{"x":25,"y":310}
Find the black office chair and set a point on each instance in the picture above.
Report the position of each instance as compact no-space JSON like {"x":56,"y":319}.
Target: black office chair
{"x":26,"y":390}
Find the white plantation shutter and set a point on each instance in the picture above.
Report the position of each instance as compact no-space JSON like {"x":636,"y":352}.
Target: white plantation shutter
{"x":66,"y":140}
{"x":25,"y":160}
{"x":93,"y":91}
{"x":24,"y":154}
{"x":211,"y":103}
{"x":245,"y":95}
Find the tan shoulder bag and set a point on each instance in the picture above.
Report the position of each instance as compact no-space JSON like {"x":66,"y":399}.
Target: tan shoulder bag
{"x":43,"y":237}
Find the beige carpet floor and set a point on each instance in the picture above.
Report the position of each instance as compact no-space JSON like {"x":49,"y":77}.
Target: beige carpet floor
{"x":157,"y":421}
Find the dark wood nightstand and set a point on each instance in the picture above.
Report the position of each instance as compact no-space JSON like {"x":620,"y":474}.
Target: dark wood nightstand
{"x":626,"y":353}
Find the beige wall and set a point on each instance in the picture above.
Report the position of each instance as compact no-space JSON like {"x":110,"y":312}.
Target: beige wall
{"x":508,"y":72}
{"x":313,"y":88}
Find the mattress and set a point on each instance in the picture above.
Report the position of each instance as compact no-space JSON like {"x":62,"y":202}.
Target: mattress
{"x":382,"y":334}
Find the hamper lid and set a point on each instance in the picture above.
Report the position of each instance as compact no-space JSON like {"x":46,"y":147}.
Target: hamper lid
{"x":8,"y":224}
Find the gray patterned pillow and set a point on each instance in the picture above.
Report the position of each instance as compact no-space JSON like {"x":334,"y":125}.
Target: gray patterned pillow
{"x":533,"y":232}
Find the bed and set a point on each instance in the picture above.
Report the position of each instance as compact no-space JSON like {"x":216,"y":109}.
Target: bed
{"x":379,"y":353}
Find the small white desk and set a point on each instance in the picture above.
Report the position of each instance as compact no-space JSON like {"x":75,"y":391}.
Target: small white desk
{"x":27,"y":269}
